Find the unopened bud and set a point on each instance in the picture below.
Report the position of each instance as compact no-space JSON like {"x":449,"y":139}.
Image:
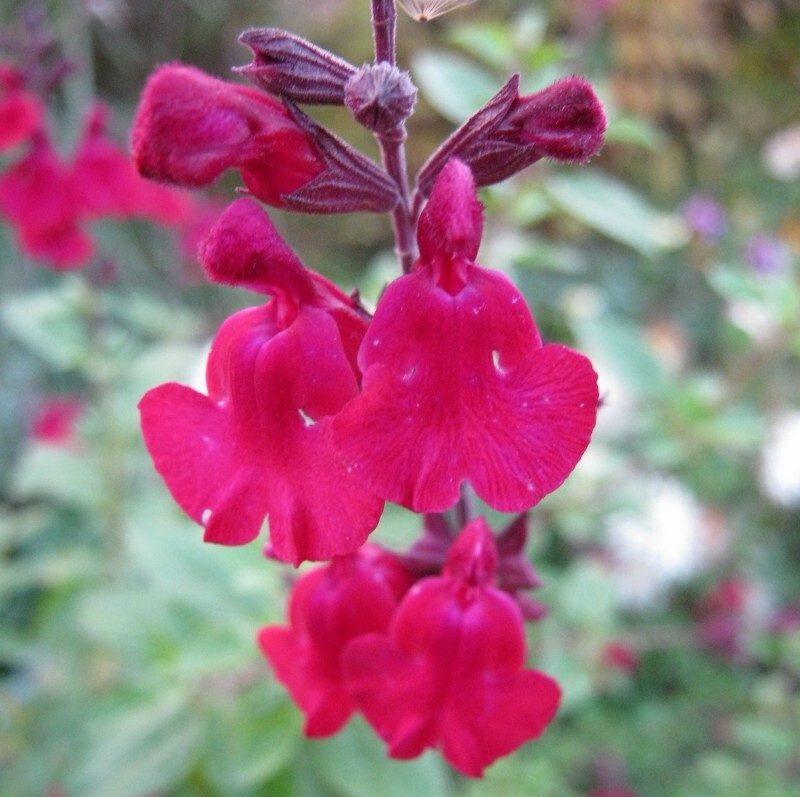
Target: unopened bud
{"x":380,"y":96}
{"x":565,"y":122}
{"x":295,"y":69}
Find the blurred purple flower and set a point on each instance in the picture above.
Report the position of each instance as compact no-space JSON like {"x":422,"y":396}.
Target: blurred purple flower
{"x":767,"y":254}
{"x":705,"y":216}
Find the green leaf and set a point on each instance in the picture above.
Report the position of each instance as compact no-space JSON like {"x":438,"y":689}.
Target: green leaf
{"x":354,"y":764}
{"x":50,"y":323}
{"x":64,"y":475}
{"x":489,"y":41}
{"x":622,"y":349}
{"x":252,"y":738}
{"x":454,"y":86}
{"x":610,"y":207}
{"x":137,"y":748}
{"x":630,"y":130}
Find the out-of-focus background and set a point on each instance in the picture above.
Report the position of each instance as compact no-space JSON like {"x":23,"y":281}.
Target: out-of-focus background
{"x":670,"y":560}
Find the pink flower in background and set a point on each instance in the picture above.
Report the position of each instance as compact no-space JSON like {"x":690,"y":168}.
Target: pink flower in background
{"x":54,"y":421}
{"x":449,"y":673}
{"x":259,"y":443}
{"x":329,"y":606}
{"x":107,"y":183}
{"x":20,"y":111}
{"x":457,"y":385}
{"x":38,"y":197}
{"x":51,"y":201}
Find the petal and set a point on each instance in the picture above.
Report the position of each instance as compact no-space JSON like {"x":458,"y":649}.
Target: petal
{"x":261,"y":444}
{"x":458,"y":388}
{"x":326,"y":704}
{"x":191,"y":127}
{"x":451,"y":224}
{"x":394,"y":693}
{"x":190,"y":440}
{"x":494,"y":715}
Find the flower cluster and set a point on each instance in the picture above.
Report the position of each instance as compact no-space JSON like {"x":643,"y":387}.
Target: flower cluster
{"x":50,"y":201}
{"x":436,"y":663}
{"x":316,"y":413}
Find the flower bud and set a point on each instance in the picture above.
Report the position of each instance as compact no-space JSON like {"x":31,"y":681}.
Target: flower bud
{"x":191,"y":127}
{"x":565,"y":122}
{"x":295,"y":69}
{"x":380,"y":96}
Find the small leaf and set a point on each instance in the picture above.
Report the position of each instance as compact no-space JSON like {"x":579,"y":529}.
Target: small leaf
{"x":252,"y":738}
{"x":138,"y":748}
{"x":611,"y":208}
{"x":354,"y":764}
{"x":453,"y":85}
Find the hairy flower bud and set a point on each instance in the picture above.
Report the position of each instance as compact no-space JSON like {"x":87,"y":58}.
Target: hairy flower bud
{"x":191,"y":127}
{"x":380,"y":96}
{"x":565,"y":122}
{"x":294,"y":68}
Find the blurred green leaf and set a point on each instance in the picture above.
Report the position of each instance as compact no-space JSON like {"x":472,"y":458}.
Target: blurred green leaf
{"x":51,"y":322}
{"x":252,"y":737}
{"x":610,"y":207}
{"x":138,"y":747}
{"x":490,"y":41}
{"x":354,"y":764}
{"x":622,"y":348}
{"x":58,"y":473}
{"x":455,"y":87}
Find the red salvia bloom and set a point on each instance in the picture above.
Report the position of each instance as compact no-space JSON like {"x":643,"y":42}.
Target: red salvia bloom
{"x":54,"y":421}
{"x":107,"y":183}
{"x":259,"y":442}
{"x":191,"y":127}
{"x":37,"y":195}
{"x":449,"y":672}
{"x":20,"y":111}
{"x":329,"y":606}
{"x":457,"y":385}
{"x":50,"y":201}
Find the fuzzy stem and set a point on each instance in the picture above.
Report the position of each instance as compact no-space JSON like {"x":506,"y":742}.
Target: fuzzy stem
{"x":392,"y":143}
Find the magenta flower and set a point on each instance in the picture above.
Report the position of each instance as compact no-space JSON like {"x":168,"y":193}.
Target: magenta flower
{"x":191,"y":127}
{"x":37,"y":196}
{"x":51,"y":201}
{"x":329,"y":606}
{"x":457,"y":385}
{"x":259,"y":443}
{"x":107,"y":183}
{"x":55,"y":419}
{"x":449,"y":672}
{"x":20,"y":111}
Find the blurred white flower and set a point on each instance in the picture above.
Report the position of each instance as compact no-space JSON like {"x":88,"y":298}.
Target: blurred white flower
{"x":781,"y":154}
{"x":664,"y":540}
{"x":780,"y":460}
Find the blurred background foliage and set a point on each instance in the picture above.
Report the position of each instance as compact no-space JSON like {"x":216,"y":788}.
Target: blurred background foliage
{"x":670,"y":559}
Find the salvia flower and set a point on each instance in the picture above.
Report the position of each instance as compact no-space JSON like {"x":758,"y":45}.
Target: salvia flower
{"x":259,"y":443}
{"x":449,"y":673}
{"x":515,"y":573}
{"x":20,"y":111}
{"x":190,"y":128}
{"x":329,"y":606}
{"x":37,"y":196}
{"x":457,"y":385}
